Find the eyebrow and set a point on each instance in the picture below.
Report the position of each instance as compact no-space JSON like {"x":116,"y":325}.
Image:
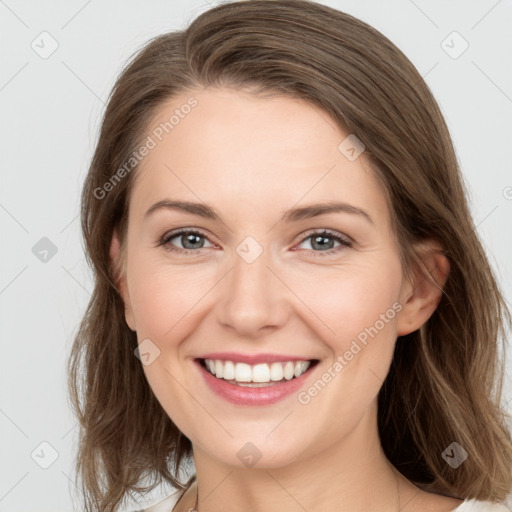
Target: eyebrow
{"x":293,"y":215}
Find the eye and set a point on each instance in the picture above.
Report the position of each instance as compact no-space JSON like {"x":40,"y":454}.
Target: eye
{"x":191,"y":242}
{"x":320,"y":239}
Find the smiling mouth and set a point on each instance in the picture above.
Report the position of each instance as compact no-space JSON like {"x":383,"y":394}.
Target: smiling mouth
{"x":258,"y":375}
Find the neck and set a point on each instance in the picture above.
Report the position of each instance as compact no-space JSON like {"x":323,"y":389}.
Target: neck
{"x":354,"y":472}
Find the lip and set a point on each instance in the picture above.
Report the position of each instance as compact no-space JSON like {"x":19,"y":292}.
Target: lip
{"x":266,"y":395}
{"x":253,"y":359}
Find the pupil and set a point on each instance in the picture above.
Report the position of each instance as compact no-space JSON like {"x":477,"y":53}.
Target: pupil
{"x":190,"y":239}
{"x":318,"y":239}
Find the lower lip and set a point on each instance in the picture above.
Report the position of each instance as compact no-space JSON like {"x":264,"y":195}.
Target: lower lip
{"x":242,"y":395}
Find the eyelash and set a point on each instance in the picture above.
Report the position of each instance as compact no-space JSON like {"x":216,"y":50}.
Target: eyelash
{"x":345,"y":242}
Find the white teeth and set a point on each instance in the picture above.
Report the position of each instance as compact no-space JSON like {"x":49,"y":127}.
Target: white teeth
{"x":301,"y":367}
{"x":260,"y":373}
{"x":228,"y":372}
{"x":289,"y":370}
{"x":219,"y":367}
{"x":242,"y":372}
{"x":276,"y":372}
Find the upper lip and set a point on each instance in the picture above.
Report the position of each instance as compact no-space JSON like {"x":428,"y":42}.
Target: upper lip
{"x":253,"y":358}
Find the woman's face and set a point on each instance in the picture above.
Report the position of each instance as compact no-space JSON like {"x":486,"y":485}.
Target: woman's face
{"x":260,"y":283}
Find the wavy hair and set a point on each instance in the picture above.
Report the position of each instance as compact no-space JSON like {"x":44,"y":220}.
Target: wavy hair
{"x":445,"y":381}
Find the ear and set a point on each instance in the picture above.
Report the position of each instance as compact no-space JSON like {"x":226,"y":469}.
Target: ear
{"x":118,"y":259}
{"x":422,"y":294}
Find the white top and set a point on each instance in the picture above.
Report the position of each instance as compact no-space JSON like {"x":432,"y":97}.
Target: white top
{"x":167,"y":504}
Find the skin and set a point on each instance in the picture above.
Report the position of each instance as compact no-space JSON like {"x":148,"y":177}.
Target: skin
{"x":253,"y":158}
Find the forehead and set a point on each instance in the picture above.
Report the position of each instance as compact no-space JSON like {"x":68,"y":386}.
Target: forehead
{"x":233,"y":148}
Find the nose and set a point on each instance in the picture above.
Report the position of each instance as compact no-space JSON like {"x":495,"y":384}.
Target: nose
{"x":252,"y":297}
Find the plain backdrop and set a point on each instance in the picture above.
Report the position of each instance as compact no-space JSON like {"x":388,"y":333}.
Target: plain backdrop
{"x":59,"y":60}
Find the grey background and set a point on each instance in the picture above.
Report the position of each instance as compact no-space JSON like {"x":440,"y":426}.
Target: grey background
{"x":51,"y":109}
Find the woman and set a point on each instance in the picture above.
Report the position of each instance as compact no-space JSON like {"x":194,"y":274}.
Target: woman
{"x":332,"y":341}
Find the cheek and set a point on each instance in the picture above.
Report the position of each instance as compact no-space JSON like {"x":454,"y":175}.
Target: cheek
{"x":354,"y":300}
{"x":164,"y":296}
{"x":360,"y":307}
{"x":348,"y":301}
{"x":166,"y":302}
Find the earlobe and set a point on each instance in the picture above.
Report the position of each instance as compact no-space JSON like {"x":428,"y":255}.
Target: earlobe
{"x":118,"y":260}
{"x":425,"y":293}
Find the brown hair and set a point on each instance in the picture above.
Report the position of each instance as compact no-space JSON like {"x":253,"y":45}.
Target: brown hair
{"x":445,"y":381}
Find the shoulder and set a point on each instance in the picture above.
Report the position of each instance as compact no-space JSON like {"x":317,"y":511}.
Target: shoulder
{"x":481,"y":506}
{"x":164,"y":505}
